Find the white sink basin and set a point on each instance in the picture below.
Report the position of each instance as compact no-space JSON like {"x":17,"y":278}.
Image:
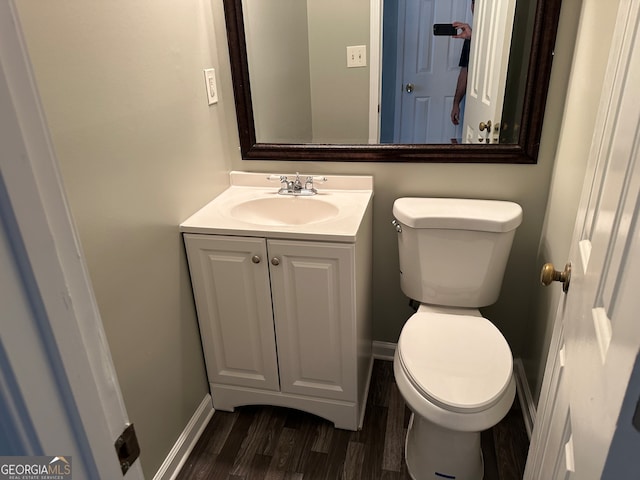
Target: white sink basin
{"x":252,"y":207}
{"x":283,"y":210}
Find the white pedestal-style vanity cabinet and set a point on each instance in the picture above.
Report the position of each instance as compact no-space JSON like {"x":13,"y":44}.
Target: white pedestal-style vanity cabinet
{"x":282,"y":286}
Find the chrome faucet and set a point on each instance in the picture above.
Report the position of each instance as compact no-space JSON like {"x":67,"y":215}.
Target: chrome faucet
{"x":295,"y":186}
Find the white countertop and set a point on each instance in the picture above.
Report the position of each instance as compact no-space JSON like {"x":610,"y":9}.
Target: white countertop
{"x":350,"y":194}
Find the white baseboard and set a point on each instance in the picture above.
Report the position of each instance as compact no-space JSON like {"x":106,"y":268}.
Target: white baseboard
{"x":383,"y":350}
{"x":186,"y":441}
{"x":386,"y":351}
{"x":524,"y":395}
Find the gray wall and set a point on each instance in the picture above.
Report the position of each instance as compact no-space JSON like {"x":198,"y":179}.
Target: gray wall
{"x":139,"y":149}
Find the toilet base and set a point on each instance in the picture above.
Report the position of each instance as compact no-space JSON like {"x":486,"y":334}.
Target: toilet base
{"x":436,"y":453}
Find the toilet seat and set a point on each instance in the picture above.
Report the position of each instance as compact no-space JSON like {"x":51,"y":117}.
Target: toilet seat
{"x":461,"y":363}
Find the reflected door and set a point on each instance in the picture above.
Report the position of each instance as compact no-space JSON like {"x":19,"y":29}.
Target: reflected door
{"x":429,"y":67}
{"x":488,"y":64}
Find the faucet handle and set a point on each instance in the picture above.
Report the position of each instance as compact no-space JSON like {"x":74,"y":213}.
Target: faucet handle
{"x":279,"y":178}
{"x":308,"y":183}
{"x":311,"y":179}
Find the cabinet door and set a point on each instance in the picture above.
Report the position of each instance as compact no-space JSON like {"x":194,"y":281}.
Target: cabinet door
{"x":230,"y":280}
{"x":313,"y":299}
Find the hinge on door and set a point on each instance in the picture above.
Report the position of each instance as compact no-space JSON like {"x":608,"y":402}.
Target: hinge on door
{"x":127,"y":448}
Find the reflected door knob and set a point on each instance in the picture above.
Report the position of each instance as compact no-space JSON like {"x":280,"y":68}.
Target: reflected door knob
{"x":485,"y":126}
{"x":409,"y":88}
{"x":549,"y":274}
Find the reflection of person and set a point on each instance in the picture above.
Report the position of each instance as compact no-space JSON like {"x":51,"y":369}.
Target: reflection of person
{"x":461,"y":85}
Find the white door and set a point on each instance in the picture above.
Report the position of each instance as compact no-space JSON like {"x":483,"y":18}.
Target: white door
{"x":429,"y":70}
{"x":230,"y":280}
{"x":313,"y":303}
{"x":591,"y":390}
{"x":59,"y":393}
{"x":488,"y":64}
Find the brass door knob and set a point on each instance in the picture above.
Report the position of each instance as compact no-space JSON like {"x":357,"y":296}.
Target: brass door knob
{"x":485,"y":126}
{"x":409,"y":88}
{"x":549,"y":274}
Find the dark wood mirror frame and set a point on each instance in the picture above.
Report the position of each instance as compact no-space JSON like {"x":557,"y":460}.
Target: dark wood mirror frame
{"x":525,"y":151}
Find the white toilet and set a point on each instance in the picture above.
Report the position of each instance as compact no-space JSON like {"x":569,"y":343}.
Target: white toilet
{"x":452,"y":366}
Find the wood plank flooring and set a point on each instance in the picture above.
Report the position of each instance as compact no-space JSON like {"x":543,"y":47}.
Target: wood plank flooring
{"x":273,"y":443}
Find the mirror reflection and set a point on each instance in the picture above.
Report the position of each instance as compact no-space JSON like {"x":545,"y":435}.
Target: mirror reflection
{"x":320,"y":74}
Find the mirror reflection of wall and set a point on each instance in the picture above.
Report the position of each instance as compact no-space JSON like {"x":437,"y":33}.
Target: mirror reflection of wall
{"x":301,"y":89}
{"x":278,"y":52}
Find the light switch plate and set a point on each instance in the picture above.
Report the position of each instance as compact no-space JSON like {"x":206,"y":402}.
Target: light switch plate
{"x":357,"y":56}
{"x":210,"y":85}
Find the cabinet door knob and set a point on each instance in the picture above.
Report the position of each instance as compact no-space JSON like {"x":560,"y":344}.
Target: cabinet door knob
{"x":275,"y":261}
{"x":256,"y":259}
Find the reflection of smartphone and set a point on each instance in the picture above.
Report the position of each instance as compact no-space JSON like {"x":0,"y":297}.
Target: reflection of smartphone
{"x":444,"y":29}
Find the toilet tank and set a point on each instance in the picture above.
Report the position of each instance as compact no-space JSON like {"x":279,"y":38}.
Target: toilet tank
{"x":453,"y":252}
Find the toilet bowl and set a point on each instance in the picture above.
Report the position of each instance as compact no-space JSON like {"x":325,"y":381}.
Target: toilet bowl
{"x":452,"y":366}
{"x":455,"y":386}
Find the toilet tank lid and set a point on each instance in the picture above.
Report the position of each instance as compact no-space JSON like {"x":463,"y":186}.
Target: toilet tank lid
{"x":458,"y":214}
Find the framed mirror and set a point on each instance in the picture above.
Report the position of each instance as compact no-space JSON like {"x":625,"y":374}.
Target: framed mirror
{"x":526,"y":121}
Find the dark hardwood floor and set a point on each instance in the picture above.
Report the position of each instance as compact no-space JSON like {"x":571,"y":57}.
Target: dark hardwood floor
{"x":270,"y":443}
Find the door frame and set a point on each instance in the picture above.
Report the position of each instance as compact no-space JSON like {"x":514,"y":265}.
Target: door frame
{"x":42,"y":229}
{"x":376,"y":7}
